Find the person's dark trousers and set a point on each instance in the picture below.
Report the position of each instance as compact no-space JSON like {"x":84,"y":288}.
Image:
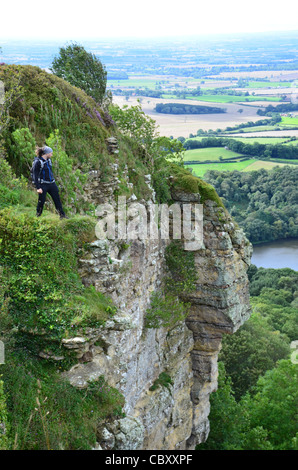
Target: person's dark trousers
{"x":53,"y":190}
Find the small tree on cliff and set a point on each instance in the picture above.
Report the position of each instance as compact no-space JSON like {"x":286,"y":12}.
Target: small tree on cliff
{"x":81,"y":69}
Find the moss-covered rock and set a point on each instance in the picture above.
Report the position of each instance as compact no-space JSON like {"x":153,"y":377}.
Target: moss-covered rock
{"x":185,"y":181}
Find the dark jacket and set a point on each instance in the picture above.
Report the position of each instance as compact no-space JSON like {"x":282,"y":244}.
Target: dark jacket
{"x":42,"y":172}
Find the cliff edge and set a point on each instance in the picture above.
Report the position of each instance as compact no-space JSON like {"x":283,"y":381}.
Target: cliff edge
{"x":135,"y":359}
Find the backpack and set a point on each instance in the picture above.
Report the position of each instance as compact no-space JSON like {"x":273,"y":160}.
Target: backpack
{"x":32,"y":169}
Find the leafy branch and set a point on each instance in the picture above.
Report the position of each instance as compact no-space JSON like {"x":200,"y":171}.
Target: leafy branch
{"x":13,"y":92}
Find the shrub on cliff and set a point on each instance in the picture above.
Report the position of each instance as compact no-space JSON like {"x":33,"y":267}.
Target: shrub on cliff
{"x":166,"y":309}
{"x":82,"y":69}
{"x":48,"y":103}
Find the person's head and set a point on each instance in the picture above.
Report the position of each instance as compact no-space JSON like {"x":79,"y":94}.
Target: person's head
{"x":44,"y":152}
{"x":47,"y":152}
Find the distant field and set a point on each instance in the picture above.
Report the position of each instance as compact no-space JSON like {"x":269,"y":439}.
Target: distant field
{"x":292,"y":142}
{"x":259,"y":140}
{"x":262,"y":140}
{"x":133,"y":83}
{"x":229,"y":98}
{"x":253,"y":129}
{"x":257,"y":165}
{"x":260,"y":84}
{"x":200,"y":170}
{"x":285,"y":161}
{"x":212,"y":153}
{"x":247,"y":165}
{"x":184,"y":125}
{"x":288,"y":121}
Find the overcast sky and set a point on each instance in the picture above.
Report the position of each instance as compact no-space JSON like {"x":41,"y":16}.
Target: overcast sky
{"x":136,"y":18}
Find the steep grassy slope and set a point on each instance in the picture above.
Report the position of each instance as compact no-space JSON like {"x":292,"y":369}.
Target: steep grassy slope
{"x":47,"y":105}
{"x":42,"y":298}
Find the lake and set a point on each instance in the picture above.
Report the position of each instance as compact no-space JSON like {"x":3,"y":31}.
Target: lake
{"x":277,"y":254}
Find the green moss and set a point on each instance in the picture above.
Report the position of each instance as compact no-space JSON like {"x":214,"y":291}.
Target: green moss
{"x":185,"y":181}
{"x":164,"y":380}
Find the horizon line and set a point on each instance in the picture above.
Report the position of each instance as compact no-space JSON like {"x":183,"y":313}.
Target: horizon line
{"x":156,"y":37}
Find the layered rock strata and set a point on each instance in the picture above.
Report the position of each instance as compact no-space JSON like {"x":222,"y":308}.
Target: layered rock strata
{"x":131,"y":357}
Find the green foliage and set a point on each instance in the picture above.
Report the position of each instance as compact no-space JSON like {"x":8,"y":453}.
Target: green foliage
{"x":39,"y":260}
{"x":155,"y":151}
{"x":164,"y":380}
{"x":13,"y":92}
{"x":4,"y":428}
{"x":23,"y":149}
{"x":185,"y":181}
{"x":284,"y":278}
{"x":161,"y":185}
{"x":81,"y":69}
{"x":265,"y":337}
{"x":255,"y":407}
{"x":47,"y":103}
{"x":264,"y":203}
{"x":52,"y":414}
{"x":178,"y":108}
{"x":13,"y":191}
{"x":278,"y":304}
{"x":274,"y":405}
{"x":70,"y":181}
{"x":7,"y":176}
{"x":181,"y":272}
{"x":265,"y":421}
{"x":226,"y":418}
{"x":166,"y":309}
{"x":251,"y":351}
{"x":134,"y":123}
{"x":230,"y":426}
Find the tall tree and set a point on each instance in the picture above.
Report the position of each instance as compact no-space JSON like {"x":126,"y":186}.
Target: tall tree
{"x":81,"y":69}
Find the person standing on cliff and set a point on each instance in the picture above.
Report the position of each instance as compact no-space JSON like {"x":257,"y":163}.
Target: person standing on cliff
{"x":44,"y":180}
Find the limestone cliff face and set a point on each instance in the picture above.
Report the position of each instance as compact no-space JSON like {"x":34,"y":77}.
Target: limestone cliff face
{"x":131,"y":357}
